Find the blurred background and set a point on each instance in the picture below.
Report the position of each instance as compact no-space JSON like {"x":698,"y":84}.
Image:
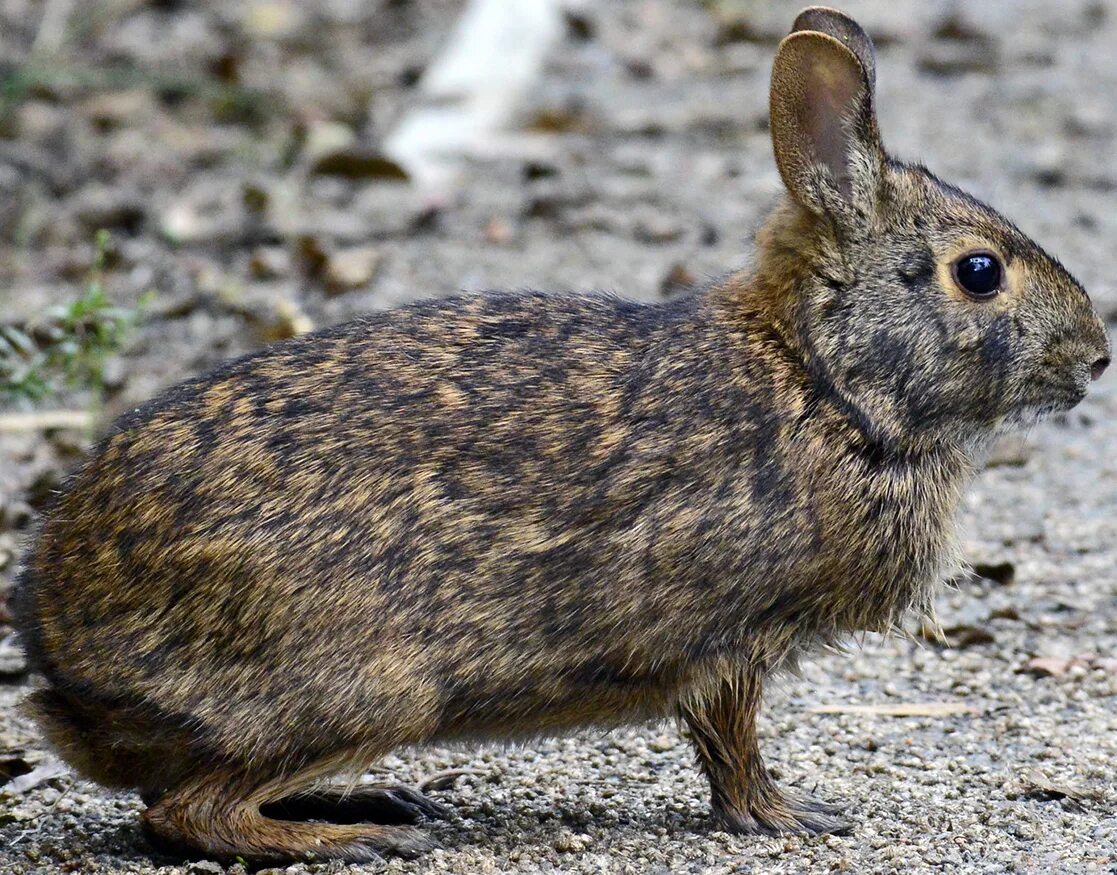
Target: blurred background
{"x":261,"y":167}
{"x":182,"y":181}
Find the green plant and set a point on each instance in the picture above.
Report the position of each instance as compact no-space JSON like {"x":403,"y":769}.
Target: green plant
{"x":68,"y":344}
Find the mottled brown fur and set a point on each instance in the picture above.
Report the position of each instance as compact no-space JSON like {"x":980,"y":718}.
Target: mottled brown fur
{"x":512,"y":515}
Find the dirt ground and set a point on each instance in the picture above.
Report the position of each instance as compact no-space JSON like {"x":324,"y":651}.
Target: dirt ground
{"x":226,"y":148}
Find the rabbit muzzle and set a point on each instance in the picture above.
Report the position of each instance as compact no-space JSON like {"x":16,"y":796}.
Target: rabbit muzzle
{"x":1069,"y":368}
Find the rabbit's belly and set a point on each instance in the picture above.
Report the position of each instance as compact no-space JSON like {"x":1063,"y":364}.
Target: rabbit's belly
{"x":549,"y":707}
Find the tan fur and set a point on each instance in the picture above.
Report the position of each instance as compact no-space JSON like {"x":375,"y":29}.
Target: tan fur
{"x":513,"y":515}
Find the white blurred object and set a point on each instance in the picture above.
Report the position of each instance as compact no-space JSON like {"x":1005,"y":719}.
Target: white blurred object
{"x":469,"y":92}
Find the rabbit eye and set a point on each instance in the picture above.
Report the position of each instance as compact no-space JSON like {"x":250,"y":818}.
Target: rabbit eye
{"x":979,"y":274}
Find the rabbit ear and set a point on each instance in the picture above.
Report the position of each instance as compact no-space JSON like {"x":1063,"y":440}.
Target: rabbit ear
{"x":837,"y":24}
{"x":824,"y":128}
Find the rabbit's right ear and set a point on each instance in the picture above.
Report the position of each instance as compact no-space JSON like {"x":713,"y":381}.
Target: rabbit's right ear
{"x":824,"y":127}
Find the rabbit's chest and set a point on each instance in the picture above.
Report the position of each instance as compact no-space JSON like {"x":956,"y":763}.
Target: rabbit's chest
{"x":886,"y":547}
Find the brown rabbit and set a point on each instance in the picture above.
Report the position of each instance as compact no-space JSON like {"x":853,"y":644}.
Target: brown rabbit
{"x":512,"y":515}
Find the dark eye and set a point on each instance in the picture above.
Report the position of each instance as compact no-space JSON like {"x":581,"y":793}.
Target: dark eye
{"x":979,"y":274}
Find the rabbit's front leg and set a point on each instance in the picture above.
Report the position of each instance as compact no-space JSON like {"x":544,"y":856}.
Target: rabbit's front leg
{"x":721,"y":717}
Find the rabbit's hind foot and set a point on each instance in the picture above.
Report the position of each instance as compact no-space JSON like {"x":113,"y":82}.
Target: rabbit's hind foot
{"x":374,"y":803}
{"x":221,"y":817}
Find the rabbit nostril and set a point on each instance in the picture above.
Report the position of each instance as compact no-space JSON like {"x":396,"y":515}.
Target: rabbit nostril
{"x":1098,"y":367}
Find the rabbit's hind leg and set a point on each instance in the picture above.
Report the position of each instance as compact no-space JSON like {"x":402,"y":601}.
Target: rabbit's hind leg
{"x":220,"y":816}
{"x":374,"y":803}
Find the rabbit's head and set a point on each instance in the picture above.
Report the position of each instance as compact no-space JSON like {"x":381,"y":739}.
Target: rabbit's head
{"x":927,"y":315}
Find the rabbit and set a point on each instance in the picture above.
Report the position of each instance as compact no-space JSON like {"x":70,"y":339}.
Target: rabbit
{"x":512,"y":515}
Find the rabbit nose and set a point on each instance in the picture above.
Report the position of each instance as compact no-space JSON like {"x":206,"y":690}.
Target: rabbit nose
{"x":1098,"y":367}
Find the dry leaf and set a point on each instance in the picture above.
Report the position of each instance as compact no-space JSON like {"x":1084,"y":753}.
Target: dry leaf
{"x":1037,"y":785}
{"x":48,"y":771}
{"x":356,"y":163}
{"x":46,"y":419}
{"x":967,"y":636}
{"x":559,"y":120}
{"x":351,"y":268}
{"x":1057,"y":666}
{"x":1003,"y":573}
{"x":1048,"y":666}
{"x":900,"y":709}
{"x":445,"y":780}
{"x":12,"y":765}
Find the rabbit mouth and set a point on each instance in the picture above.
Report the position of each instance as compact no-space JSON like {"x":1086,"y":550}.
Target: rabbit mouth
{"x":1030,"y":414}
{"x":1055,"y":396}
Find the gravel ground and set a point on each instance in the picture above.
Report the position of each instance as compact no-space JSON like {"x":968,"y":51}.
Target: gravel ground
{"x":647,"y":165}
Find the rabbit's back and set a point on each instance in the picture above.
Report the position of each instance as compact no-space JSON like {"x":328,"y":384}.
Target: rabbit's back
{"x":373,"y":501}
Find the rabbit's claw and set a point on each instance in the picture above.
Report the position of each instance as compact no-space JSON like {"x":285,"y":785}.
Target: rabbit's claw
{"x":375,"y":803}
{"x":787,"y":815}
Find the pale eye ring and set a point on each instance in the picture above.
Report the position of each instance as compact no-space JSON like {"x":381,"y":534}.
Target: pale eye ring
{"x":979,"y":275}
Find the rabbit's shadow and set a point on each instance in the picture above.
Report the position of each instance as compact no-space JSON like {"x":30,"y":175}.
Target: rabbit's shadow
{"x":472,"y":823}
{"x":469,"y":826}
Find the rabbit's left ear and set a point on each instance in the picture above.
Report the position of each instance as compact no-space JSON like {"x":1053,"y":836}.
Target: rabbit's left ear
{"x":845,"y":30}
{"x":824,"y":127}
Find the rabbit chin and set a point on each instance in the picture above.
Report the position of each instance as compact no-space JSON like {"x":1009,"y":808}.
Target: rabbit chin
{"x":1043,"y":398}
{"x":1028,"y":415}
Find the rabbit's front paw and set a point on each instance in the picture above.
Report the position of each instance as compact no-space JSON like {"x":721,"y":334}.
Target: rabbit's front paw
{"x":783,"y":814}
